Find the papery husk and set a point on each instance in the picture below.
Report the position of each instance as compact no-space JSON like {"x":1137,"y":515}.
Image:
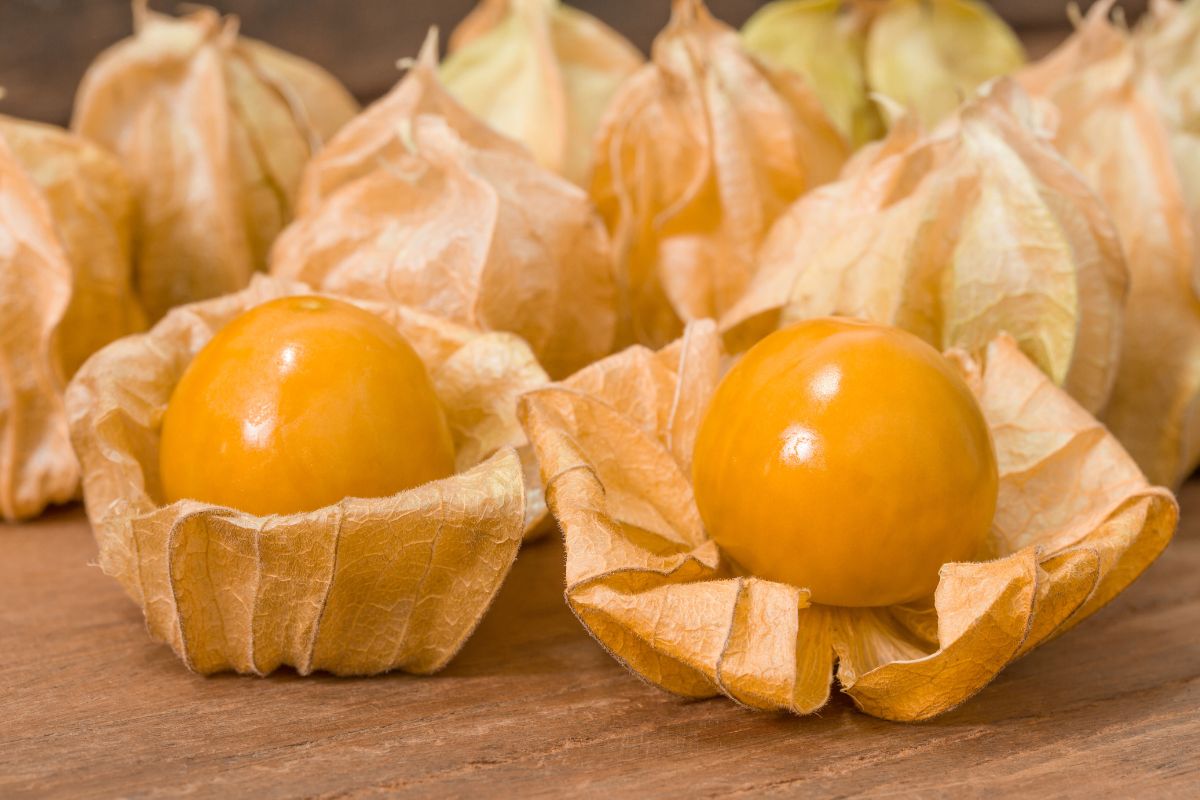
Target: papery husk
{"x":1076,"y":522}
{"x":542,"y":73}
{"x":1113,"y":131}
{"x":978,"y":228}
{"x":360,"y":587}
{"x":417,"y":202}
{"x":37,"y":467}
{"x":825,"y":41}
{"x":65,"y":291}
{"x":930,"y":55}
{"x":1167,"y":42}
{"x":923,"y":57}
{"x":91,"y":202}
{"x":381,"y":133}
{"x":699,"y":152}
{"x":214,"y":130}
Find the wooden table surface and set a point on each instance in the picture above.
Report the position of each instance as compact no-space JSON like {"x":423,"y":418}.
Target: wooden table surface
{"x":90,"y":707}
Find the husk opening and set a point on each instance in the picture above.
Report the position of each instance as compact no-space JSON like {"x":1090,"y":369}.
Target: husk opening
{"x":364,"y":586}
{"x":1076,"y":522}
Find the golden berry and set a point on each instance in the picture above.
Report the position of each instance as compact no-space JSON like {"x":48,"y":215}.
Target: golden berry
{"x":297,"y":404}
{"x":848,"y":458}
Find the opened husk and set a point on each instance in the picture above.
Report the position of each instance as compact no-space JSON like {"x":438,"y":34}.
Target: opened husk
{"x":1113,"y":130}
{"x":540,"y":72}
{"x":1076,"y":522}
{"x":214,"y":130}
{"x":697,"y":155}
{"x":67,"y":291}
{"x":923,"y":56}
{"x":978,"y":228}
{"x":360,"y":587}
{"x":419,"y":203}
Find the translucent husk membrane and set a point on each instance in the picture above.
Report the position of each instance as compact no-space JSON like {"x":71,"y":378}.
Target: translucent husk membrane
{"x":540,"y":72}
{"x":214,"y":130}
{"x":979,"y":227}
{"x":1076,"y":522}
{"x":65,"y":291}
{"x":825,"y":41}
{"x":923,"y":56}
{"x":1122,"y":125}
{"x":698,"y":153}
{"x":360,"y":587}
{"x":418,"y":202}
{"x":930,"y":55}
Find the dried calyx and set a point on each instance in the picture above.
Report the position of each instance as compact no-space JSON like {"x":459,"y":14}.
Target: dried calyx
{"x":359,"y":586}
{"x":1123,"y":125}
{"x":980,"y":227}
{"x":417,"y":201}
{"x":698,"y":154}
{"x":65,"y":270}
{"x":210,"y":203}
{"x":1075,"y":523}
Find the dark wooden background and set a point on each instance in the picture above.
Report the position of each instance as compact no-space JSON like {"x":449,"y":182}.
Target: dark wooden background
{"x":45,"y":45}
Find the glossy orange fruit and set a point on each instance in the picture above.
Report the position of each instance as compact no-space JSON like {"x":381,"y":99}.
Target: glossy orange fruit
{"x":848,"y":458}
{"x":298,"y":403}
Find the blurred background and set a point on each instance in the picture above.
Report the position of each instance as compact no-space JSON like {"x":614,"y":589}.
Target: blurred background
{"x":45,"y":45}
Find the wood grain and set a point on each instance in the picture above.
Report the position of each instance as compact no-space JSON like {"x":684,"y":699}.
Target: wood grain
{"x":92,"y":708}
